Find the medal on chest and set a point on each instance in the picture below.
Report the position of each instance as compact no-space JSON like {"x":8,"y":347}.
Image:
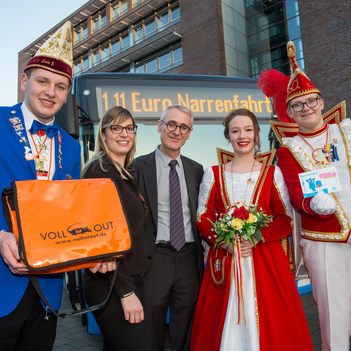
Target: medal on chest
{"x":41,"y":147}
{"x":321,"y":155}
{"x":39,"y":164}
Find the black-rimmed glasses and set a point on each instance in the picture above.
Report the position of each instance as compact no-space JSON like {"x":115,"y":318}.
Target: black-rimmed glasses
{"x":171,"y":126}
{"x":311,"y":103}
{"x":117,"y":129}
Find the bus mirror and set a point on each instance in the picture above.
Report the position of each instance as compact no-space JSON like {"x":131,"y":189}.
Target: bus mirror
{"x":67,"y":117}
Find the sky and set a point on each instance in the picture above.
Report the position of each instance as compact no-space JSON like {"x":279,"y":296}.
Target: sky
{"x":22,"y":23}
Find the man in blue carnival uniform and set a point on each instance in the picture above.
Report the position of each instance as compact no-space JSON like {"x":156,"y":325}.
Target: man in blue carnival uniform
{"x":30,"y":150}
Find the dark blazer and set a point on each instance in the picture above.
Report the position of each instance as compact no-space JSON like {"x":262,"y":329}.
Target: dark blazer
{"x":145,"y":167}
{"x":134,"y":262}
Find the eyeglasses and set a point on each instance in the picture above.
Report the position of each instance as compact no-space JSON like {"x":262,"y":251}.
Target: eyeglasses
{"x":117,"y":129}
{"x":172,"y":127}
{"x":299,"y":106}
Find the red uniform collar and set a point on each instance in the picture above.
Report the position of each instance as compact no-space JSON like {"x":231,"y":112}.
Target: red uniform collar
{"x":315,"y":132}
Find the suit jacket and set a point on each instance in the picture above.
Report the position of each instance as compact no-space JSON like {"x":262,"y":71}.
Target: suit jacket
{"x":15,"y":167}
{"x":145,"y":167}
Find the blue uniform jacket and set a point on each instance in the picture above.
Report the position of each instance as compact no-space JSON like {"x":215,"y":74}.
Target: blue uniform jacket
{"x":15,"y":167}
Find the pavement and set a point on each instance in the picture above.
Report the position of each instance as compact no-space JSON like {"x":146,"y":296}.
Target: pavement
{"x":72,"y":335}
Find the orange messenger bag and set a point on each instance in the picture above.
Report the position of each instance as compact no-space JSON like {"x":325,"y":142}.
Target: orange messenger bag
{"x":65,"y":225}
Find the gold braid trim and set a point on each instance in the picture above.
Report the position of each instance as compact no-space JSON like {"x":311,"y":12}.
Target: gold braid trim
{"x":212,"y":274}
{"x":303,"y":206}
{"x":50,"y":69}
{"x":344,"y":131}
{"x":223,"y":188}
{"x":302,"y":93}
{"x":255,"y":292}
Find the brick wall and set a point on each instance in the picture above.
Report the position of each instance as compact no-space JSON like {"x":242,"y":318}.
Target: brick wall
{"x":326,"y":40}
{"x":202,"y":37}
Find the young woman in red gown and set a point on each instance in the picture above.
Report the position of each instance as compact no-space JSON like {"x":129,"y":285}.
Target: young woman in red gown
{"x":272,"y":317}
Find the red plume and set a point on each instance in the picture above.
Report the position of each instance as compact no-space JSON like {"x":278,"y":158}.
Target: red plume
{"x":274,"y":85}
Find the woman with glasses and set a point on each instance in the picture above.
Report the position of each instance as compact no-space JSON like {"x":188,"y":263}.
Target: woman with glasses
{"x":121,"y":320}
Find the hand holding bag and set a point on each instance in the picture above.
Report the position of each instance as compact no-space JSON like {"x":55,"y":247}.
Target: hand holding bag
{"x":66,"y":225}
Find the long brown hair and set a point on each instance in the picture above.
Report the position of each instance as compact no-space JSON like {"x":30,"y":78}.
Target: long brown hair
{"x":115,"y":115}
{"x":247,"y":113}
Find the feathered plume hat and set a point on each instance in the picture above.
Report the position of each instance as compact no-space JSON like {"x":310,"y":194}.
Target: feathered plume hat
{"x":282,"y":88}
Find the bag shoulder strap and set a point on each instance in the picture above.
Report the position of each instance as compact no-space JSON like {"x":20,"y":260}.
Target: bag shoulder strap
{"x":35,"y":282}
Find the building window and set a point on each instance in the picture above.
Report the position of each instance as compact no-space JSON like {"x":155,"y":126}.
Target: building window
{"x":77,"y":68}
{"x":125,"y":41}
{"x":81,"y":65}
{"x":98,"y":21}
{"x":164,"y":63}
{"x":161,"y":61}
{"x":105,"y":53}
{"x":115,"y":10}
{"x":151,"y":66}
{"x":85,"y":30}
{"x":115,"y":47}
{"x":137,"y":2}
{"x":100,"y":55}
{"x":124,"y":6}
{"x":175,"y":14}
{"x":95,"y":25}
{"x":140,"y":69}
{"x":177,"y":57}
{"x":95,"y":57}
{"x":118,"y":8}
{"x":138,"y":34}
{"x":156,"y":23}
{"x":85,"y":63}
{"x":80,"y":32}
{"x":269,"y":28}
{"x":103,"y":20}
{"x":162,"y":21}
{"x":150,"y":28}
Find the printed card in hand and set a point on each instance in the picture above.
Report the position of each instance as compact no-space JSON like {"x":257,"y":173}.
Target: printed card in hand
{"x":325,"y":179}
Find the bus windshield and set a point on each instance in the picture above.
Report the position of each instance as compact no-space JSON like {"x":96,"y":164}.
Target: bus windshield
{"x":210,"y":98}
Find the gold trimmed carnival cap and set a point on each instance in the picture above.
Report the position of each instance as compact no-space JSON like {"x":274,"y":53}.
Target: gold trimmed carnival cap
{"x":55,"y":55}
{"x":299,"y":84}
{"x":282,"y":88}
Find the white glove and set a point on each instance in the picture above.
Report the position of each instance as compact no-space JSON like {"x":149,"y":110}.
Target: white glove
{"x":323,"y":204}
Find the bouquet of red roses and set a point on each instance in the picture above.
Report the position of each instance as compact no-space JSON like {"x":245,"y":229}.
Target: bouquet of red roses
{"x":241,"y":222}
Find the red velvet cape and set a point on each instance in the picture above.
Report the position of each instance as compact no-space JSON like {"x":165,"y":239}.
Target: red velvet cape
{"x":279,"y":314}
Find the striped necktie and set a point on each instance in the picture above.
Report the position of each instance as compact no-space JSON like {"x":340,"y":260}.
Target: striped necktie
{"x":176,"y":210}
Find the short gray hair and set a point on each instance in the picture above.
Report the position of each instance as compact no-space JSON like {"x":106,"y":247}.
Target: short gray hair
{"x":179,"y":107}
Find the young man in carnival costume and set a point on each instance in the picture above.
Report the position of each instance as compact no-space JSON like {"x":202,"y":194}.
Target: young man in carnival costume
{"x":312,"y":143}
{"x":34,"y":147}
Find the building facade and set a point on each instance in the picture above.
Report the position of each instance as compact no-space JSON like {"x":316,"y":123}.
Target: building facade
{"x":211,"y":37}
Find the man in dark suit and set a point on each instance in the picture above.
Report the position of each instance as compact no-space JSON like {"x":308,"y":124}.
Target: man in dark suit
{"x":169,"y":183}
